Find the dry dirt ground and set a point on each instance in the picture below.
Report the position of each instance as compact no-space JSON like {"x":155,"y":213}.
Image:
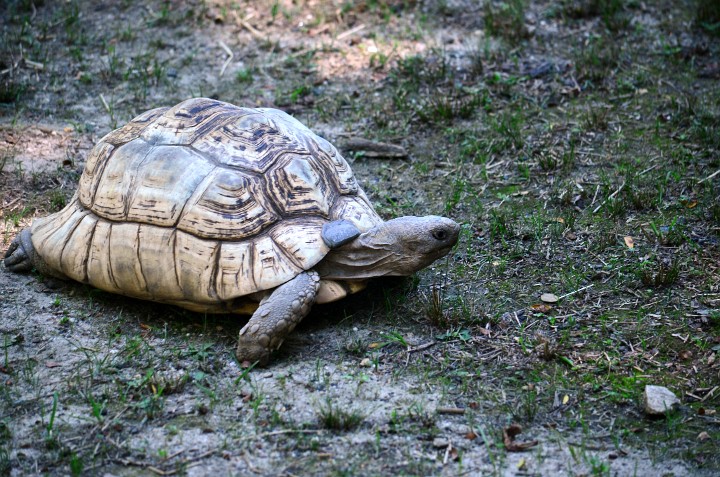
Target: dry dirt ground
{"x":577,"y":143}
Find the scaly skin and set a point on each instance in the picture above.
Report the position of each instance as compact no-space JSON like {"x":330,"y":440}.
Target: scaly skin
{"x":18,"y":257}
{"x":276,"y":317}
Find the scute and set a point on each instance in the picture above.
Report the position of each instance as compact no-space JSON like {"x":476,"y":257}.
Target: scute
{"x":118,"y":177}
{"x":344,"y":179}
{"x":94,"y":167}
{"x":321,"y":150}
{"x":132,"y":129}
{"x":74,"y":258}
{"x":195,"y":261}
{"x":230,"y":205}
{"x":301,"y":240}
{"x":249,"y":142}
{"x":357,"y":210}
{"x":299,"y":186}
{"x":271,"y":267}
{"x":50,"y":234}
{"x":188,"y":121}
{"x":125,"y":268}
{"x":163,"y":184}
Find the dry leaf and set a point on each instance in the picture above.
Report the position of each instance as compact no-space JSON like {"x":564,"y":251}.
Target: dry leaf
{"x":566,"y":398}
{"x":540,"y":307}
{"x":549,"y":298}
{"x":52,"y":364}
{"x":570,"y":236}
{"x":703,"y":436}
{"x":509,"y":434}
{"x":374,"y":345}
{"x":629,"y":242}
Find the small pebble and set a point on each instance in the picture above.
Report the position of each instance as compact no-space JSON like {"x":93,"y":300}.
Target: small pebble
{"x":658,"y":400}
{"x":440,"y":443}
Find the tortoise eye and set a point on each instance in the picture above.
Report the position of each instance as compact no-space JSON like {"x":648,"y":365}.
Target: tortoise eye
{"x":440,"y":234}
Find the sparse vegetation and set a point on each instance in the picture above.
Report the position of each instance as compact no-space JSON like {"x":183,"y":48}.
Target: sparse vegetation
{"x":334,"y":417}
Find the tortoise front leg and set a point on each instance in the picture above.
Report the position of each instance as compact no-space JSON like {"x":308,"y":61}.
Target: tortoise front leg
{"x":276,"y":317}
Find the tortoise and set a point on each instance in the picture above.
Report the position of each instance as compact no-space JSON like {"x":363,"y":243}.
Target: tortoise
{"x":221,"y":209}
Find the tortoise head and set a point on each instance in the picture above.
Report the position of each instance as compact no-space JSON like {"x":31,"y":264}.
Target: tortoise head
{"x":398,"y":247}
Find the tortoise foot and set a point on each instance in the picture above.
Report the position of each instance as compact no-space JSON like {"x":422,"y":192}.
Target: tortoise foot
{"x":18,"y":257}
{"x":276,"y":317}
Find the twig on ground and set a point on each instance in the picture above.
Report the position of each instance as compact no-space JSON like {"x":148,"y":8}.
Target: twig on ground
{"x":34,"y":64}
{"x":351,"y":31}
{"x":174,"y":454}
{"x":710,"y":176}
{"x":709,"y":394}
{"x":229,"y":58}
{"x":654,"y":166}
{"x":370,"y":148}
{"x":574,"y":292}
{"x":611,"y":196}
{"x":110,"y":421}
{"x":253,"y":31}
{"x":421,"y":347}
{"x":283,"y":431}
{"x":105,"y":105}
{"x":447,"y":453}
{"x":597,"y":189}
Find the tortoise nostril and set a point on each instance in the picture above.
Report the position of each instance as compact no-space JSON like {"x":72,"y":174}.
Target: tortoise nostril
{"x":440,"y":234}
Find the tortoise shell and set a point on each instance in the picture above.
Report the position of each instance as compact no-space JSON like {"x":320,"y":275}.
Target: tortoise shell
{"x":202,"y":204}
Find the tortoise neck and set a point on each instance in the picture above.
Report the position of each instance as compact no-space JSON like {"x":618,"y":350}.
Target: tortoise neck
{"x":365,"y":257}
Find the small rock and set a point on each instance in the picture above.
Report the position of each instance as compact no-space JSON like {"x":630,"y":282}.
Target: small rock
{"x":461,"y":429}
{"x":703,"y":436}
{"x":549,"y":298}
{"x":658,"y":400}
{"x":365,"y":362}
{"x":440,"y":443}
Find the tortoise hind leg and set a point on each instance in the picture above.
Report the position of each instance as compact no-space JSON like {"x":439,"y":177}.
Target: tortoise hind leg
{"x":19,"y":257}
{"x":276,"y":317}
